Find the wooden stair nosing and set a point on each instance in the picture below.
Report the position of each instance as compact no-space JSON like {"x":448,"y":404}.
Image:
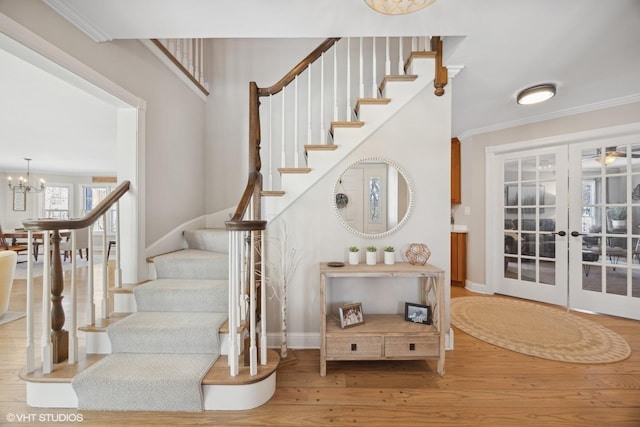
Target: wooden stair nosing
{"x":272,"y":193}
{"x":102,"y":324}
{"x":320,"y":147}
{"x":345,"y":124}
{"x":294,"y":170}
{"x":370,"y":101}
{"x":397,"y":78}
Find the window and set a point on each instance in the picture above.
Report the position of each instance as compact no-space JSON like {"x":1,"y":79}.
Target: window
{"x":56,"y":202}
{"x":92,"y":196}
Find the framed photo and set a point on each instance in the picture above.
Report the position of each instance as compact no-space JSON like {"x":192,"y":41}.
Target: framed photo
{"x":351,"y":315}
{"x":19,"y":200}
{"x":417,"y":313}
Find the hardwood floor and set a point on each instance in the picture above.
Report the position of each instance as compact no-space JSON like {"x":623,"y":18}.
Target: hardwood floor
{"x":483,"y":386}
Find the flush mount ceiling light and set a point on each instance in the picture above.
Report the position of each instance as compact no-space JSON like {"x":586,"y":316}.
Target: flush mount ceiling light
{"x":535,"y":94}
{"x":398,"y":7}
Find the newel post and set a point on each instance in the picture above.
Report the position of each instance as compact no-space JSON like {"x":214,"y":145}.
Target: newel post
{"x":59,"y":336}
{"x":442,"y":76}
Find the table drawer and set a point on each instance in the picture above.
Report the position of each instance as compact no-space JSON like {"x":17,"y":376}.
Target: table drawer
{"x":411,"y":346}
{"x":354,"y":347}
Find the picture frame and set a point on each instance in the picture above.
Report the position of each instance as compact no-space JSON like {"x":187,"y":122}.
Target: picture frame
{"x":351,"y":315}
{"x":19,"y":199}
{"x":417,"y":313}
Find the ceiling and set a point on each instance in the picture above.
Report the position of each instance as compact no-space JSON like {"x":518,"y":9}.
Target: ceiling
{"x":588,"y":48}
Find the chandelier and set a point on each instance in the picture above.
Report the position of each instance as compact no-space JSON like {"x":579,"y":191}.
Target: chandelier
{"x":398,"y":7}
{"x":25,"y":183}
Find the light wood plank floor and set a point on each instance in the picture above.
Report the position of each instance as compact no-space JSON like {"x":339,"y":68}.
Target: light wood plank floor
{"x":483,"y":386}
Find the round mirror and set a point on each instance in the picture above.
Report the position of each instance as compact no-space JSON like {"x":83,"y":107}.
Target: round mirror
{"x":373,"y":197}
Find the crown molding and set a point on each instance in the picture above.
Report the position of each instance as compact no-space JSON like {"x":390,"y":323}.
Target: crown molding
{"x":70,"y":14}
{"x":553,"y":115}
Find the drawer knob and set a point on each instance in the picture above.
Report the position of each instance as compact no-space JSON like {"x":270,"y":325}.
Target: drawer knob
{"x":354,"y":347}
{"x":412,"y":346}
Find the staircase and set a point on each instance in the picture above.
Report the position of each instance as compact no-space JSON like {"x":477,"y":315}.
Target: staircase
{"x":178,"y":329}
{"x":213,"y":284}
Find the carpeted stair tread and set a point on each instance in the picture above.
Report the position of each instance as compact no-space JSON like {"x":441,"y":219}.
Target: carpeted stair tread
{"x":183,"y":295}
{"x":192,"y":264}
{"x":144,"y":382}
{"x":167,"y":332}
{"x":208,"y":239}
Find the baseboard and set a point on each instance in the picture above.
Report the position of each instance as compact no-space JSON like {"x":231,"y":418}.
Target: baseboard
{"x":477,"y":287}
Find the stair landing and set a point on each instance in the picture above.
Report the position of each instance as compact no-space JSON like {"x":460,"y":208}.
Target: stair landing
{"x":220,"y":389}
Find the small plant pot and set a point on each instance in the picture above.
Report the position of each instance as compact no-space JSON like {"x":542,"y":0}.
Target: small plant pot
{"x":389,"y":258}
{"x":354,"y":258}
{"x":371,"y":258}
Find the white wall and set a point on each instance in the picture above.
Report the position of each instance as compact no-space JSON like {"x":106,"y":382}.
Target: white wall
{"x":473,"y":169}
{"x":235,"y":63}
{"x":173,"y":159}
{"x":418,"y":139}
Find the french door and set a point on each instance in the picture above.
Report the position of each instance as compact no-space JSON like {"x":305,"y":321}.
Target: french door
{"x":531,"y":259}
{"x":567,"y":230}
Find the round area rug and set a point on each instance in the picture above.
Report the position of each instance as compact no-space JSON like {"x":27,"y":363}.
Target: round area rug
{"x":537,"y":330}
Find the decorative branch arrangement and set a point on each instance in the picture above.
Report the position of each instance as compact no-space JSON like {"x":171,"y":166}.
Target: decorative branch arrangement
{"x":282,"y":263}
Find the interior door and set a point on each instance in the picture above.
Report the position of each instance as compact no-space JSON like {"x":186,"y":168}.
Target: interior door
{"x":605,"y":228}
{"x":530,"y":255}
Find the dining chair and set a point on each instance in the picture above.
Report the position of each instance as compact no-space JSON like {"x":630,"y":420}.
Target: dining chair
{"x":82,"y":242}
{"x":4,"y":244}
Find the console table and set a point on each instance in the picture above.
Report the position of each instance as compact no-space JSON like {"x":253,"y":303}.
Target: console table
{"x":384,"y":336}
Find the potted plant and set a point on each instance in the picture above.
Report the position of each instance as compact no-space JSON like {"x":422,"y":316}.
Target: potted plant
{"x":389,"y":255}
{"x":618,"y":216}
{"x":371,"y":255}
{"x":354,"y":256}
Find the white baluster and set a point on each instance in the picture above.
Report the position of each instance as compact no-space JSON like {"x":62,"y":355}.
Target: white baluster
{"x":270,"y":148}
{"x":400,"y":57}
{"x":233,"y":296}
{"x":427,"y":43}
{"x":73,"y":335}
{"x":118,"y":277}
{"x":374,"y":82}
{"x":335,"y":84}
{"x":415,"y":44}
{"x":348,"y":109}
{"x":91,"y":305}
{"x":322,"y":128}
{"x":105,"y":270}
{"x":253,"y":355}
{"x":309,"y":136}
{"x":361,"y":91}
{"x":387,"y":62}
{"x":45,"y":339}
{"x":283,"y":154}
{"x":295,"y":123}
{"x":263,"y":298}
{"x":30,"y":310}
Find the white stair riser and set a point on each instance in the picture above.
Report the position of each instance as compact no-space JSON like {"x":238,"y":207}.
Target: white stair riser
{"x":215,"y":397}
{"x":124,"y":303}
{"x":99,"y":343}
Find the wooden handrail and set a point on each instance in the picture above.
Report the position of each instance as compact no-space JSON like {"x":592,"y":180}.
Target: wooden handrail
{"x":298,"y":69}
{"x":254,"y":182}
{"x":87,"y":220}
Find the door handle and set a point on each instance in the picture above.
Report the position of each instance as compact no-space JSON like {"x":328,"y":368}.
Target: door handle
{"x":576,"y":234}
{"x":560,"y":233}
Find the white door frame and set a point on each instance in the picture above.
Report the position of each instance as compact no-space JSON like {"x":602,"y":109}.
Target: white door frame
{"x":130,"y":143}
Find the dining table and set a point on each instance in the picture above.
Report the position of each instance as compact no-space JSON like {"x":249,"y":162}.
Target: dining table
{"x":38,"y":237}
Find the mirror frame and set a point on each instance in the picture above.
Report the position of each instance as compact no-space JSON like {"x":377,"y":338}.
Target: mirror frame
{"x":410,"y":190}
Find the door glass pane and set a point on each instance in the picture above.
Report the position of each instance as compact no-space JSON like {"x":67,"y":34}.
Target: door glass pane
{"x":511,"y":171}
{"x":616,"y":281}
{"x":530,"y":219}
{"x":616,"y":189}
{"x":635,"y":157}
